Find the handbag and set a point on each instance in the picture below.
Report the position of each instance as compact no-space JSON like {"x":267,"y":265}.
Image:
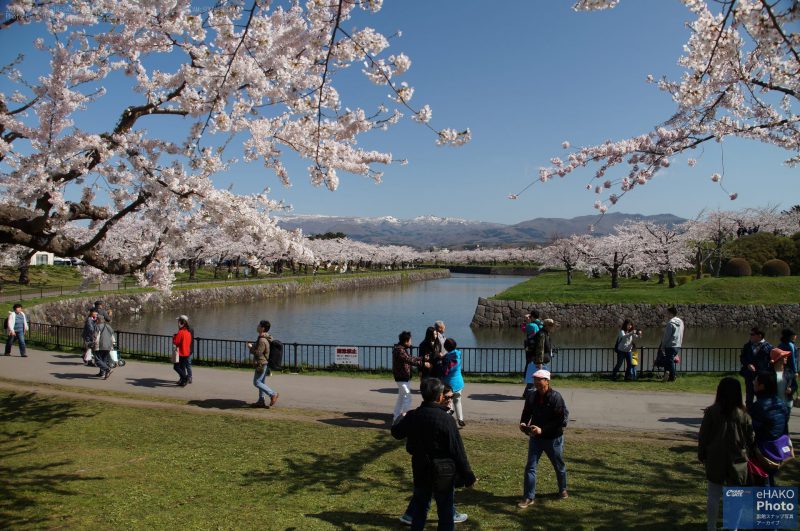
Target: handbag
{"x":756,"y":476}
{"x":175,"y":357}
{"x":677,"y":359}
{"x":771,"y":455}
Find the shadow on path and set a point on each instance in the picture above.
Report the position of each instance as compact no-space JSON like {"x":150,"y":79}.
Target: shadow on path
{"x":151,"y":382}
{"x":495,"y":397}
{"x":392,"y":391}
{"x":75,"y":375}
{"x":381,"y":421}
{"x":689,"y":422}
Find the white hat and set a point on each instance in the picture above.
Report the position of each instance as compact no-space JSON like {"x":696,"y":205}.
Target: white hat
{"x":542,"y":373}
{"x":183,"y":318}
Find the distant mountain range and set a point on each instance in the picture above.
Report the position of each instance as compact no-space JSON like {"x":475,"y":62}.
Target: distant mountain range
{"x":431,"y":231}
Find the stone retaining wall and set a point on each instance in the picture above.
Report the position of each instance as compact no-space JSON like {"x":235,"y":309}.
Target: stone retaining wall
{"x":505,"y":314}
{"x":72,"y":312}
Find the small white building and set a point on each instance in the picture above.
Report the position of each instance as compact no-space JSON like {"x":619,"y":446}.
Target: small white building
{"x":42,"y":258}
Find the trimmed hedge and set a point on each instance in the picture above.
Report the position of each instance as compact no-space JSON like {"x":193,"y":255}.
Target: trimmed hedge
{"x":738,"y":267}
{"x":776,"y":268}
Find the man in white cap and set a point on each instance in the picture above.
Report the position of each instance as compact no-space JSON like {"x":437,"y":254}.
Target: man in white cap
{"x":543,"y":419}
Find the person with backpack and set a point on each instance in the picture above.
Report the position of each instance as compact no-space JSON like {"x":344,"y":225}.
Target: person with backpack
{"x":624,"y":348}
{"x":260,"y":351}
{"x":754,"y":359}
{"x":16,"y":328}
{"x":452,"y":377}
{"x":182,"y":341}
{"x":531,"y":325}
{"x":544,"y":417}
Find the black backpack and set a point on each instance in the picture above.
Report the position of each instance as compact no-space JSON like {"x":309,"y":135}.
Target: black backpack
{"x":275,"y":354}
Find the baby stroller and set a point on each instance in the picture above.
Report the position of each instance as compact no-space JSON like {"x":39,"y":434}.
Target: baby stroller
{"x":116,"y":360}
{"x":660,"y":364}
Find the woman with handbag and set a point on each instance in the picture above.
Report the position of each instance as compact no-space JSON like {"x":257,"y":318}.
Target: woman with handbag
{"x":104,"y":343}
{"x":726,"y":441}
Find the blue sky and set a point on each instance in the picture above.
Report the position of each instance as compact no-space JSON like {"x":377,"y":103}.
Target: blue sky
{"x":523,"y":76}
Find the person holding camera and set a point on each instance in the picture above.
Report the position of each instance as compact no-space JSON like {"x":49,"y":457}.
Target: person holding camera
{"x":543,"y":419}
{"x":624,"y":348}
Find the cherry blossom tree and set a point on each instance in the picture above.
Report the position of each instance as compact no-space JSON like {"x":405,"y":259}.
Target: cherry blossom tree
{"x":253,"y":74}
{"x":564,"y":253}
{"x":741,"y":79}
{"x":664,"y":249}
{"x":614,"y":254}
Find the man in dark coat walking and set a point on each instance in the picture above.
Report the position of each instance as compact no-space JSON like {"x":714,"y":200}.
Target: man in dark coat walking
{"x":438,"y":459}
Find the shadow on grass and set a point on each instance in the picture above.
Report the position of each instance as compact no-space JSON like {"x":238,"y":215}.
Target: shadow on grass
{"x":352,"y":520}
{"x":325,"y":472}
{"x":23,"y":484}
{"x":380,"y":421}
{"x":218,"y":403}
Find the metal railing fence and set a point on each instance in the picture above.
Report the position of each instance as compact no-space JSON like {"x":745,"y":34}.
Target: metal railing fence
{"x":483,"y":360}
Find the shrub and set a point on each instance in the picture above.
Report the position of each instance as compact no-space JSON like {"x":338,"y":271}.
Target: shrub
{"x":684,"y":279}
{"x":738,"y":267}
{"x":760,"y":247}
{"x":776,"y":268}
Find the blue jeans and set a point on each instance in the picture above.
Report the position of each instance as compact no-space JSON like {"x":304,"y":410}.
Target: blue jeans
{"x":20,"y":337}
{"x":671,"y":352}
{"x":258,"y":380}
{"x":554,"y":448}
{"x":627,"y":357}
{"x":189,"y":366}
{"x":445,"y":508}
{"x":182,"y":368}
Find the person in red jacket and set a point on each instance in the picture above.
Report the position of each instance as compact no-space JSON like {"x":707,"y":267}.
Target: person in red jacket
{"x":182,"y":341}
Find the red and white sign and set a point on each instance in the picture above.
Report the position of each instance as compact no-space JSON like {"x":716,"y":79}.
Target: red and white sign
{"x":346,"y":356}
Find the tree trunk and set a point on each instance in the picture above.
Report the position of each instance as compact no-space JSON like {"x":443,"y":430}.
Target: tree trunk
{"x":615,"y":277}
{"x":192,"y":269}
{"x":671,"y":277}
{"x":698,"y":273}
{"x":661,"y":277}
{"x":569,"y":276}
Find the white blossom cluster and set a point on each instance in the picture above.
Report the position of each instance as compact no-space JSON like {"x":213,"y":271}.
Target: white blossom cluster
{"x":741,"y":79}
{"x":252,"y":73}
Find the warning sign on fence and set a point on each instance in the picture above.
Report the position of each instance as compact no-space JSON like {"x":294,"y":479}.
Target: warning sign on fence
{"x":346,"y":356}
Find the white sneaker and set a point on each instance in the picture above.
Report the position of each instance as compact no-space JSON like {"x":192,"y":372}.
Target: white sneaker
{"x":459,"y":517}
{"x":406,"y":519}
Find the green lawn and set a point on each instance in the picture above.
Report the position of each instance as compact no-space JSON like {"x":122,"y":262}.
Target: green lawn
{"x":95,"y":465}
{"x":552,"y":287}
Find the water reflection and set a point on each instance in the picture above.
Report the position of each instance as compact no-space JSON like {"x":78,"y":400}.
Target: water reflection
{"x":374,"y":316}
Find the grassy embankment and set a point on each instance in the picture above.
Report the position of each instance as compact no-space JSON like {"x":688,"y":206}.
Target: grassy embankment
{"x":88,"y":464}
{"x":552,"y":287}
{"x":63,"y":282}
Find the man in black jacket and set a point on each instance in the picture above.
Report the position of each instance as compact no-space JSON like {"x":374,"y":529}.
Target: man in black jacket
{"x":543,"y":419}
{"x":438,"y":460}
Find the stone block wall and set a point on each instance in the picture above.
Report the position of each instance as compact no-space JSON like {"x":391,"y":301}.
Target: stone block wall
{"x":505,"y":314}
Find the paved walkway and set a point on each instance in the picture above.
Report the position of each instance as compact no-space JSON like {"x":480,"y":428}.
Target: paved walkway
{"x":488,"y":403}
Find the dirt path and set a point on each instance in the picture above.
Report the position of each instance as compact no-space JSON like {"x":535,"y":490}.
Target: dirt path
{"x":339,"y":400}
